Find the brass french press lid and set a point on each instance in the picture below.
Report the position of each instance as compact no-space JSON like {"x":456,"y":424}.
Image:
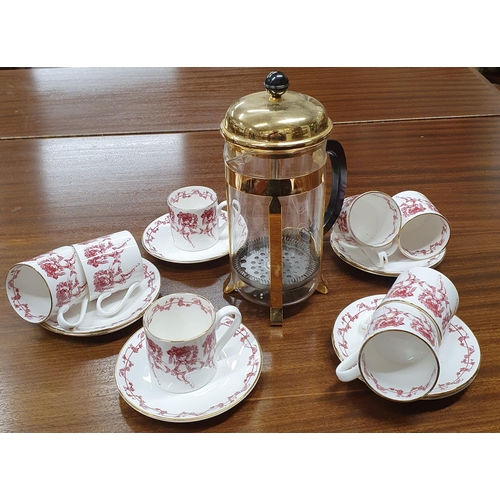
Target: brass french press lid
{"x":276,"y":119}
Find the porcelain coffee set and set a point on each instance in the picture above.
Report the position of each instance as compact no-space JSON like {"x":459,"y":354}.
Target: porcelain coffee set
{"x":190,"y":362}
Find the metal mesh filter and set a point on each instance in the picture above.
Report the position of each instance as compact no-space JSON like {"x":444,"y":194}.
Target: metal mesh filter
{"x":300,"y":261}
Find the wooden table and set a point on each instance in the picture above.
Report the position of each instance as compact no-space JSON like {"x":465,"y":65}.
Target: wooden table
{"x":98,"y":101}
{"x":85,"y":153}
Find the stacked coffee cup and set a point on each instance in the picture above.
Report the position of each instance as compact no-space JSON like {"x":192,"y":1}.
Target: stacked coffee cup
{"x":399,"y":358}
{"x":50,"y":284}
{"x":379,"y":224}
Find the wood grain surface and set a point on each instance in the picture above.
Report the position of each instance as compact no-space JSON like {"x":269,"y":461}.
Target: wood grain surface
{"x":61,"y":190}
{"x":59,"y":102}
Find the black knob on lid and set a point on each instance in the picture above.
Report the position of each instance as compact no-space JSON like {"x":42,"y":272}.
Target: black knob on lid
{"x":276,"y":83}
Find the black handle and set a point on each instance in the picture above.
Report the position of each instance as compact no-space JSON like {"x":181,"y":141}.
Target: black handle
{"x":339,"y":182}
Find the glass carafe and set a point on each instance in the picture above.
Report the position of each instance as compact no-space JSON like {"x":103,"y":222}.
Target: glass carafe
{"x":276,"y":153}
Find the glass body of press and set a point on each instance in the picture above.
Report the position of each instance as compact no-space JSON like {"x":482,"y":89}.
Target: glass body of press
{"x":276,"y":155}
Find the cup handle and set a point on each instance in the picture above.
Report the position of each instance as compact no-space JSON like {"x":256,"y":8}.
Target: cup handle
{"x":220,"y":206}
{"x":221,"y":313}
{"x":237,"y":211}
{"x":119,"y":307}
{"x":237,"y":208}
{"x":365,"y":323}
{"x":378,"y":259}
{"x":348,"y":369}
{"x":64,"y":309}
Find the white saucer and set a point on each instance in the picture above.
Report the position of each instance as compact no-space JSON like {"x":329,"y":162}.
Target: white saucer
{"x":157,"y":241}
{"x":460,"y":348}
{"x":238,"y":370}
{"x":397,"y":261}
{"x":94,"y":324}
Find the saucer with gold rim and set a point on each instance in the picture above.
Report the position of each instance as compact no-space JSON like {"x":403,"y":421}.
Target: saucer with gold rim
{"x":238,"y":370}
{"x":157,"y":241}
{"x":397,"y":263}
{"x":459,"y":353}
{"x":94,"y":324}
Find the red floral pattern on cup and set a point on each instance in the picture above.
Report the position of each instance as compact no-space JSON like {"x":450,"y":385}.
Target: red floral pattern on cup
{"x":348,"y":233}
{"x":430,"y":297}
{"x":109,"y":278}
{"x":179,"y":361}
{"x":185,"y":194}
{"x":129,"y":367}
{"x":398,"y":393}
{"x":411,"y":206}
{"x":186,"y":220}
{"x":346,"y":338}
{"x":421,"y":241}
{"x":53,"y":266}
{"x":101,"y":252}
{"x":194,"y":217}
{"x":341,"y":221}
{"x":67,"y":290}
{"x":395,"y":318}
{"x":209,"y":222}
{"x":187,"y":224}
{"x":181,"y":340}
{"x":56,"y":266}
{"x":179,"y":302}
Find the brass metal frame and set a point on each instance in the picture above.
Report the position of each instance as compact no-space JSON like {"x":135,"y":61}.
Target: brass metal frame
{"x":275,"y":187}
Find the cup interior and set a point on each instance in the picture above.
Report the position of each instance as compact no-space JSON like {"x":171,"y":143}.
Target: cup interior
{"x":424,"y":236}
{"x":29,"y":294}
{"x":192,"y":198}
{"x":374,"y":219}
{"x":179,"y":318}
{"x":398,"y":365}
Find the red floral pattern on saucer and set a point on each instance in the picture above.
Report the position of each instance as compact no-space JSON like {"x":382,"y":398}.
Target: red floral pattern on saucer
{"x":460,"y":354}
{"x":238,"y":370}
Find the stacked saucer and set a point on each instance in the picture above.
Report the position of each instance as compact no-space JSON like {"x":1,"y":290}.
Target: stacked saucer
{"x":397,"y":263}
{"x":387,"y":235}
{"x":89,"y":288}
{"x":459,"y":353}
{"x":94,"y":324}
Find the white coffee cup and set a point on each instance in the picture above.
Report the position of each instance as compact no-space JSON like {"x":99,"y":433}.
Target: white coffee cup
{"x":47,"y":284}
{"x":424,"y":231}
{"x":52,"y":283}
{"x":430,"y":291}
{"x":194,"y":218}
{"x":371,"y":221}
{"x":180,"y":331}
{"x":398,"y":358}
{"x":110,"y":263}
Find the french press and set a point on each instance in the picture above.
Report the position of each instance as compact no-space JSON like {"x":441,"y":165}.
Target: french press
{"x":275,"y":155}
